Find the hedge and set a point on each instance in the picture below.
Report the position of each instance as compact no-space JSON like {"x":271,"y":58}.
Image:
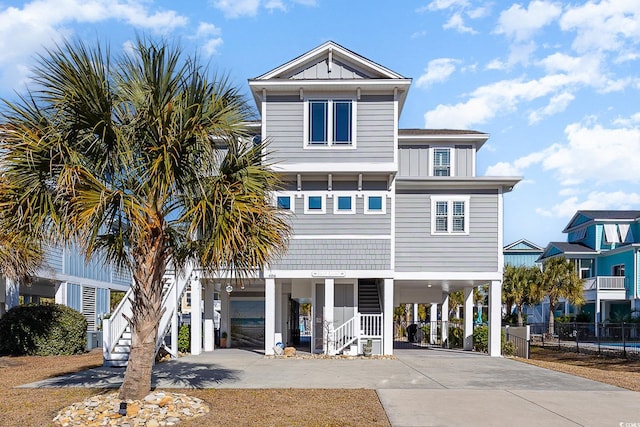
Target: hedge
{"x":43,"y":330}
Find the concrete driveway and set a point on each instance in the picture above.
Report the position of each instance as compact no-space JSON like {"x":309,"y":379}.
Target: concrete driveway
{"x":420,"y":388}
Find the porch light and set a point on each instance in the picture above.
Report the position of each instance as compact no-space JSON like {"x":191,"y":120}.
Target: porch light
{"x":229,"y":288}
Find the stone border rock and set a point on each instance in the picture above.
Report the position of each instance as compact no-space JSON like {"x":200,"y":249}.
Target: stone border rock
{"x":157,"y":409}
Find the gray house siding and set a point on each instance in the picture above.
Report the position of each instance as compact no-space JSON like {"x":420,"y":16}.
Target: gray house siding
{"x":348,"y":224}
{"x":418,"y":250}
{"x":332,"y":254}
{"x":285,"y":131}
{"x":413,"y":160}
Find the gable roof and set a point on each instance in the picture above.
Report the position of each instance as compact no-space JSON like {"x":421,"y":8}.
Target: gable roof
{"x":587,"y":216}
{"x":330,"y":67}
{"x":565,"y":249}
{"x":522,"y":245}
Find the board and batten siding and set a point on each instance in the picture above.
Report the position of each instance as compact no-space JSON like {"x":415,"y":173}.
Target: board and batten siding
{"x":284,"y":129}
{"x":334,"y":254}
{"x":413,"y":160}
{"x":418,"y":250}
{"x":343,"y":224}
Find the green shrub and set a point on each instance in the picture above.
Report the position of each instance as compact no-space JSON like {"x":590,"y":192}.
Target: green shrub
{"x":184,"y":339}
{"x":43,"y":330}
{"x":481,"y":338}
{"x":456,"y":337}
{"x":508,"y":348}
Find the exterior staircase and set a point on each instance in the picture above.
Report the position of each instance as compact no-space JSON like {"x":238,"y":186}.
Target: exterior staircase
{"x":116,"y":338}
{"x":369,"y":297}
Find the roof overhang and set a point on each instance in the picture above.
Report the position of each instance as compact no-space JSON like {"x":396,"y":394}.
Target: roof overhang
{"x":476,"y":138}
{"x":506,"y":184}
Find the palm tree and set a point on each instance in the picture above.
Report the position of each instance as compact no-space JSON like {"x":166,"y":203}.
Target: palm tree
{"x":560,"y":280}
{"x":520,"y":286}
{"x":141,"y":160}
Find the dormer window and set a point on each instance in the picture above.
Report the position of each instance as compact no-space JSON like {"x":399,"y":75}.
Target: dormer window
{"x":442,"y":162}
{"x":330,"y":122}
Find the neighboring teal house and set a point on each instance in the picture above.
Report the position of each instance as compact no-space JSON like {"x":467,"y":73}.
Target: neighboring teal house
{"x":522,"y":253}
{"x":603,"y":246}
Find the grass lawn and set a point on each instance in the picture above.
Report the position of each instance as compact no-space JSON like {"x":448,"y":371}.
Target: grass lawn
{"x":623,"y":373}
{"x":270,"y":407}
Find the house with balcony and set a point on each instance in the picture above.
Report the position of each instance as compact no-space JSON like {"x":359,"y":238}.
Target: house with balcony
{"x":604,"y":247}
{"x":381,"y":216}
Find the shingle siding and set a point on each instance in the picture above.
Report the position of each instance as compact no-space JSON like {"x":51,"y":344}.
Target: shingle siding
{"x":331,"y":254}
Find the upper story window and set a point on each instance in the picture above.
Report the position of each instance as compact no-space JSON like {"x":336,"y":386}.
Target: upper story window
{"x":314,"y":204}
{"x":284,"y":202}
{"x":442,"y":162}
{"x":330,"y":122}
{"x":450,"y":215}
{"x":344,"y":205}
{"x":617,"y":270}
{"x":375,"y":205}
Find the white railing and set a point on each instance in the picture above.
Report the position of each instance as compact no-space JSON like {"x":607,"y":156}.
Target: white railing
{"x":344,"y":335}
{"x":170,"y":300}
{"x":359,"y":327}
{"x":611,"y":282}
{"x":116,"y":324}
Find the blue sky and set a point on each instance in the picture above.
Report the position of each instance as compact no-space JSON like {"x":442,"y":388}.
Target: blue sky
{"x":556,"y":84}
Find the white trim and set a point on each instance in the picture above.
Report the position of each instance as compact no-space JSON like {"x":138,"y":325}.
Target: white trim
{"x":338,"y":273}
{"x":450,"y":199}
{"x":330,"y":129}
{"x":337,"y":211}
{"x":320,"y":211}
{"x":340,"y":236}
{"x":473,"y":159}
{"x":432,"y":158}
{"x":448,"y":275}
{"x":335,"y":167}
{"x":382,"y":211}
{"x":45,"y":274}
{"x":500,"y":230}
{"x":292,"y":200}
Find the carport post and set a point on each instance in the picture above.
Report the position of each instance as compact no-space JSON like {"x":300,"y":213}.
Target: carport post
{"x":387,"y":318}
{"x":433,"y":324}
{"x":445,"y":320}
{"x":208,"y":317}
{"x":468,"y":319}
{"x":495,"y":309}
{"x":269,"y":315}
{"x":196,"y":316}
{"x":329,"y":345}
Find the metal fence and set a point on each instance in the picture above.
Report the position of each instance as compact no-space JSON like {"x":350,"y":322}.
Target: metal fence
{"x":519,"y":337}
{"x":428,"y":334}
{"x":609,"y":339}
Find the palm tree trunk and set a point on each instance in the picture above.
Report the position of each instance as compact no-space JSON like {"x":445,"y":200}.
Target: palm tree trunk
{"x":519,"y":310}
{"x":149,"y":268}
{"x":551,"y":318}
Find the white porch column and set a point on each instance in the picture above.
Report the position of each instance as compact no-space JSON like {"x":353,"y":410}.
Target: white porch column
{"x":495,"y":309}
{"x":61,"y":293}
{"x":278,"y":312}
{"x":174,"y":317}
{"x":415,"y":317}
{"x":269,"y":315}
{"x":433,"y":328}
{"x":196,"y":316}
{"x":208,"y":317}
{"x":387,"y":317}
{"x":327,"y":332}
{"x":445,"y":319}
{"x":225,"y":316}
{"x":468,"y":318}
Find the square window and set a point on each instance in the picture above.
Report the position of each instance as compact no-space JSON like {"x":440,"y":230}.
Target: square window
{"x":284,"y":202}
{"x":375,"y":205}
{"x":342,"y":122}
{"x":314,"y":203}
{"x":344,"y":203}
{"x":450,"y":215}
{"x":318,"y":122}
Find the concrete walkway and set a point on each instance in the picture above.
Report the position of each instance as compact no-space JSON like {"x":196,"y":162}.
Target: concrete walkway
{"x":420,"y":388}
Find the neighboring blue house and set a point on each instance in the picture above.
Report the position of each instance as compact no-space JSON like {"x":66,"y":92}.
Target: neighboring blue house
{"x":522,"y":253}
{"x":604,"y":246}
{"x":69,"y":280}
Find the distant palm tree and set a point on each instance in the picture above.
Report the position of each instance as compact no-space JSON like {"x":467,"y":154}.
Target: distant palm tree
{"x":520,"y":286}
{"x":560,"y":280}
{"x":142,"y":160}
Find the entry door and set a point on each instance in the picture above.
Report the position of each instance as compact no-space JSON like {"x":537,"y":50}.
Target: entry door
{"x":343,"y":307}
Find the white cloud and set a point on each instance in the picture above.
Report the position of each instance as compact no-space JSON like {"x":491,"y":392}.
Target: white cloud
{"x":275,"y":4}
{"x":207,"y":29}
{"x":237,"y":8}
{"x":479,"y":12}
{"x":596,"y":200}
{"x":607,"y":25}
{"x":557,"y":104}
{"x":419,"y":34}
{"x":518,"y":167}
{"x":438,"y":70}
{"x":446,"y":4}
{"x":210,"y":47}
{"x":210,"y":34}
{"x":521,"y":23}
{"x":628,"y":121}
{"x":457,"y":23}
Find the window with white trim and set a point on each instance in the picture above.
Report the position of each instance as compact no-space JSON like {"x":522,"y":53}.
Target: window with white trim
{"x":344,"y":205}
{"x":617,"y":270}
{"x":314,"y":204}
{"x":442,"y":162}
{"x":450,"y":214}
{"x":375,"y":204}
{"x":330,"y":122}
{"x":285,"y":202}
